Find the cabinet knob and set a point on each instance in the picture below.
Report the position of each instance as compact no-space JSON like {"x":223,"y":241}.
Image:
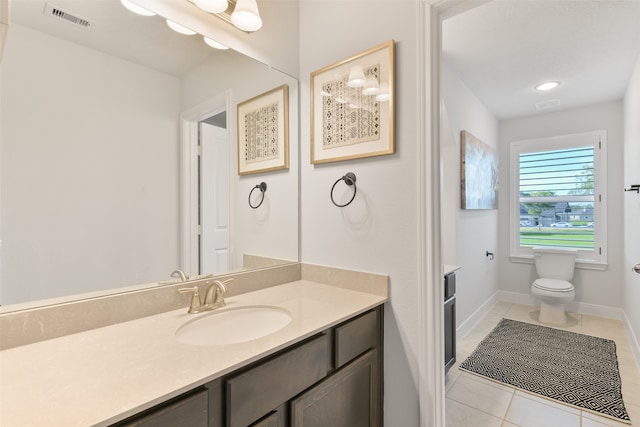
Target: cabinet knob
{"x":636,"y":268}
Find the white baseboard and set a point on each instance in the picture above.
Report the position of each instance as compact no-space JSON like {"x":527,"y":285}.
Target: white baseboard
{"x":574,"y":306}
{"x":515,"y":298}
{"x":476,"y":316}
{"x":633,"y":339}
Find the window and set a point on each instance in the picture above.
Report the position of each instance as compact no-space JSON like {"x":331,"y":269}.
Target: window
{"x":557,"y":196}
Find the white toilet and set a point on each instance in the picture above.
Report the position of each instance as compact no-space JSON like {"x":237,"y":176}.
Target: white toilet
{"x":555,"y":267}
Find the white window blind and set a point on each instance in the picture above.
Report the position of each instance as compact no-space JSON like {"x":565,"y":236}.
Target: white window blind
{"x":557,"y":196}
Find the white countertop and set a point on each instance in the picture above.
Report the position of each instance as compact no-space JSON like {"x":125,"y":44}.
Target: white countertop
{"x":450,"y":268}
{"x":104,"y":375}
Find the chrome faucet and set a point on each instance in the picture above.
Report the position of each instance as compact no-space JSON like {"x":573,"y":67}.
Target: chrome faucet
{"x":213,"y":298}
{"x":179,"y":274}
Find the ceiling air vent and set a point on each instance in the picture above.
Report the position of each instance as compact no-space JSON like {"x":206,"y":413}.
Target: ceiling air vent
{"x":56,"y":12}
{"x":547,"y":104}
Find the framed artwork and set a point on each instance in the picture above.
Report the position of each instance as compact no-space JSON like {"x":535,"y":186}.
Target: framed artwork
{"x":352,"y":107}
{"x":263,"y":132}
{"x":478,"y":173}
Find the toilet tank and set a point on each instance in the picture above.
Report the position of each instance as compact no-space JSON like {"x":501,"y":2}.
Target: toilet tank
{"x":555,"y":263}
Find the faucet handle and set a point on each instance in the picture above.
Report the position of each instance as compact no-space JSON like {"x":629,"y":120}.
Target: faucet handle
{"x":222,"y":284}
{"x":196,"y":304}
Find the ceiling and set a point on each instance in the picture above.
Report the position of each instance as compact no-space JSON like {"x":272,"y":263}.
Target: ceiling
{"x":502,"y":49}
{"x":114,"y":30}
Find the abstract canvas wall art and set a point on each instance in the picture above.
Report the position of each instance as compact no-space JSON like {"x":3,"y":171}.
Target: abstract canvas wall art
{"x":478,"y":173}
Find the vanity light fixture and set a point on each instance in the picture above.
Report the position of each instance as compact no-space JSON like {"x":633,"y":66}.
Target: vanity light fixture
{"x":356,"y":76}
{"x":214,"y":44}
{"x":212,"y":6}
{"x":136,"y":9}
{"x":246,"y":16}
{"x":179,"y":28}
{"x":544,"y":86}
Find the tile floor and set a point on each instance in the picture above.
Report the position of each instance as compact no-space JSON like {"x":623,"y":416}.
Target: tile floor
{"x":472,"y":401}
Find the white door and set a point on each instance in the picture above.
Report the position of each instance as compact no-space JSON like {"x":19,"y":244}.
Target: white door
{"x":214,"y":199}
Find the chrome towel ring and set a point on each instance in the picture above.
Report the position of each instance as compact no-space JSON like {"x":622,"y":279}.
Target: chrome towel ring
{"x":350,"y":179}
{"x":263,"y":189}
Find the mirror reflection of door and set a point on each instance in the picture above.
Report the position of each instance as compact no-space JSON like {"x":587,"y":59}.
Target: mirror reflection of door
{"x":214,"y":195}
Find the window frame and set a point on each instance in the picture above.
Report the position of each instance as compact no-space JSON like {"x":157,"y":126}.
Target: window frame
{"x":593,"y":260}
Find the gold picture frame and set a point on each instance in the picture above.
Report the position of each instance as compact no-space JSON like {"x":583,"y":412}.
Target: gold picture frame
{"x":353,"y":107}
{"x":263,"y":132}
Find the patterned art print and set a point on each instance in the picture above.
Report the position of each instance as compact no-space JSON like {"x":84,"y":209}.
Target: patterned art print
{"x":348,"y":116}
{"x":261,"y":134}
{"x":353,"y":107}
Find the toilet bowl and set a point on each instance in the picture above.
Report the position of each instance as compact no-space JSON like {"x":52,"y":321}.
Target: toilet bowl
{"x":555,"y":268}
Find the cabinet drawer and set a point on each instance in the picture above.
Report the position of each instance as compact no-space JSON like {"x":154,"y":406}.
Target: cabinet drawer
{"x":259,"y":390}
{"x":355,"y":337}
{"x":189,"y":411}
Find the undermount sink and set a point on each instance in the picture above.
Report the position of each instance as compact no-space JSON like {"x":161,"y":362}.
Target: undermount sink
{"x":232,"y":326}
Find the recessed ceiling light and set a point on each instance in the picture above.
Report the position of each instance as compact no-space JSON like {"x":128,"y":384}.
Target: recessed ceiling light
{"x":547,"y":86}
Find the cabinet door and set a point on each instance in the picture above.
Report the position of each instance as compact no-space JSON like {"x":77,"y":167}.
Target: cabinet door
{"x":348,"y":398}
{"x":277,"y":418}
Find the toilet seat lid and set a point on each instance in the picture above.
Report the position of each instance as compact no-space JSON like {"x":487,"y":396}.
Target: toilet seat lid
{"x":553,"y":285}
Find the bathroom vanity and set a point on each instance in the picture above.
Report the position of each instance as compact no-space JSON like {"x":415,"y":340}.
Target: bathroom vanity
{"x":330,"y":379}
{"x":323,"y":368}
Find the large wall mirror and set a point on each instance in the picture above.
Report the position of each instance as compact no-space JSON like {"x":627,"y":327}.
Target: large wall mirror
{"x":93,"y":147}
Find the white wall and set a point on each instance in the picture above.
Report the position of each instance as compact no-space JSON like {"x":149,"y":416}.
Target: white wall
{"x":272,"y":229}
{"x":602,"y":288}
{"x":632,"y":206}
{"x":467,"y":234}
{"x":378,"y":232}
{"x":83,"y":191}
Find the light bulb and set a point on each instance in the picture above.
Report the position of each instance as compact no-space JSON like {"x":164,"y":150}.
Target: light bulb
{"x":356,"y":76}
{"x":212,"y":6}
{"x":214,"y":44}
{"x":136,"y":9}
{"x":383,"y":94}
{"x":179,"y":28}
{"x":246,"y":16}
{"x":371,"y":87}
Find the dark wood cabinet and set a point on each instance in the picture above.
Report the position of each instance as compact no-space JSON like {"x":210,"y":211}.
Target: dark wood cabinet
{"x":267,"y":385}
{"x":348,"y":398}
{"x":188,"y":410}
{"x":332,"y":379}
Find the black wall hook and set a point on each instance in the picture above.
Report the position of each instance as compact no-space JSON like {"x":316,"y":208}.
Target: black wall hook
{"x":263,"y":189}
{"x":350,"y":179}
{"x":490,"y":255}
